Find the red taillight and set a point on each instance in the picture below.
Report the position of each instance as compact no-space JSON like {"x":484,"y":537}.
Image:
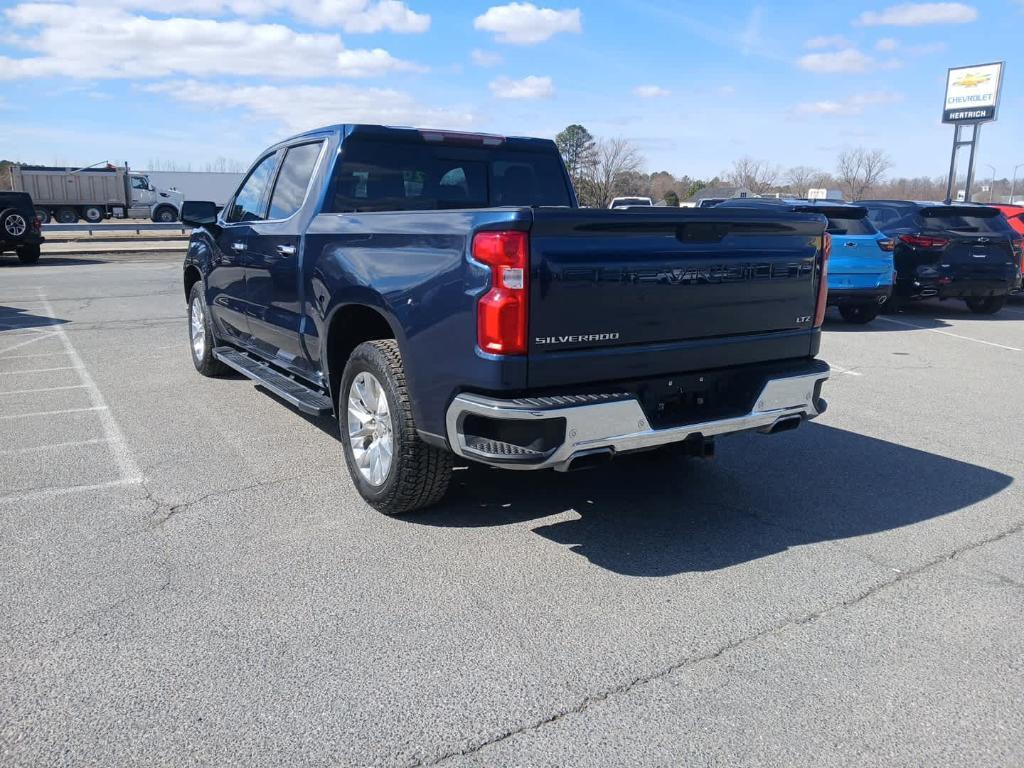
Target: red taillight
{"x":501,"y":312}
{"x":888,"y":244}
{"x":924,"y":241}
{"x":826,"y":251}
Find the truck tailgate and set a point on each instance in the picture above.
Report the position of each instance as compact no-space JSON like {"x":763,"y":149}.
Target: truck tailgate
{"x":668,"y":290}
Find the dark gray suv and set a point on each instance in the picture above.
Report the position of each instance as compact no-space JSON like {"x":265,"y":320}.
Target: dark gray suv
{"x":20,"y":230}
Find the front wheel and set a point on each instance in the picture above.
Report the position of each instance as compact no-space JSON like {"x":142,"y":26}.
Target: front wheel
{"x":165,"y":215}
{"x":200,"y":334}
{"x":93,"y":214}
{"x":988,"y":305}
{"x":392,"y":468}
{"x":859,"y":313}
{"x":28,"y":254}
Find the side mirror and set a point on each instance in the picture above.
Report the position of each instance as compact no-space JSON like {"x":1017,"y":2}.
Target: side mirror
{"x":199,"y":213}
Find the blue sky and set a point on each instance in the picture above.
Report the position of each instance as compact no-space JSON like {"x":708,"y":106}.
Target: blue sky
{"x":694,"y":84}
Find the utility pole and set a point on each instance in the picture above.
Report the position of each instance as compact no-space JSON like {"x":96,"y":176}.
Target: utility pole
{"x":992,"y":181}
{"x":1013,"y":184}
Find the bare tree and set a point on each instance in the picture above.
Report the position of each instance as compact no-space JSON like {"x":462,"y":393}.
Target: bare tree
{"x":758,"y":176}
{"x":860,"y":169}
{"x":615,"y":160}
{"x":801,"y":178}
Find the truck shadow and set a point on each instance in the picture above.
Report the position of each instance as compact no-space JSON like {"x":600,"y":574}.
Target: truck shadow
{"x":16,"y":318}
{"x":46,"y":261}
{"x":658,"y":515}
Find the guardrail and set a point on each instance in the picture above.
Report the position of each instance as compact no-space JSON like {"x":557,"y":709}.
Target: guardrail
{"x":138,"y":229}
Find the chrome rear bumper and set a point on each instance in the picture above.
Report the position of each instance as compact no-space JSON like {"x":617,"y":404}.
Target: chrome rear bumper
{"x":604,"y":425}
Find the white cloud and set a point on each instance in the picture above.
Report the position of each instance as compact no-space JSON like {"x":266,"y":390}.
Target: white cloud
{"x":530,"y":87}
{"x":846,"y":60}
{"x":917,"y":14}
{"x":650,"y":91}
{"x":485,"y":58}
{"x":526,"y":24}
{"x":355,"y":16}
{"x":853,"y":105}
{"x":887,"y":44}
{"x":303,"y":107}
{"x":828,"y":41}
{"x":86,"y":42}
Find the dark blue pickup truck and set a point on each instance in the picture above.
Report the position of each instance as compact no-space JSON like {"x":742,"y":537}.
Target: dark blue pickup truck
{"x":443,"y":294}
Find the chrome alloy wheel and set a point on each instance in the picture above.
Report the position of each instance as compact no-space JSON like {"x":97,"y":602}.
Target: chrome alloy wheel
{"x":370,"y":431}
{"x":197,"y":327}
{"x":15,"y":225}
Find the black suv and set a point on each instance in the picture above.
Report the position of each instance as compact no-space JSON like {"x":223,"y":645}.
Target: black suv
{"x":953,"y":251}
{"x":19,"y":227}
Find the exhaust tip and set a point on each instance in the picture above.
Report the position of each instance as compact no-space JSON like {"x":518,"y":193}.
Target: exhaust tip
{"x":590,"y":459}
{"x":785,"y":425}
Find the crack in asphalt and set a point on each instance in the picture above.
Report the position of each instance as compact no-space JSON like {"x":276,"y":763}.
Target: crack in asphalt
{"x":165,"y":562}
{"x":593,"y":699}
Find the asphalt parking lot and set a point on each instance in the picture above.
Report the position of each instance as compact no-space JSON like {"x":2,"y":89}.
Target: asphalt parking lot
{"x":187,"y":576}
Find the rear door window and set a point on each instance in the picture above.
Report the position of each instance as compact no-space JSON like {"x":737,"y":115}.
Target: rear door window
{"x":248,"y":203}
{"x":951,"y":219}
{"x":837,"y":226}
{"x":293,"y":179}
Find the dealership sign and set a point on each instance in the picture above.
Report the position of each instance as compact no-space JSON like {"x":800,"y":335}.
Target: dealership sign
{"x":972,"y":93}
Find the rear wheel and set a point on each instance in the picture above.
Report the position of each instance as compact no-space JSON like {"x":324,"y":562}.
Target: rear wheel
{"x":43,"y":215}
{"x":392,"y":468}
{"x":988,"y":305}
{"x":200,"y":334}
{"x":28,"y":254}
{"x":859,"y":313}
{"x":93,"y":214}
{"x":67,"y":215}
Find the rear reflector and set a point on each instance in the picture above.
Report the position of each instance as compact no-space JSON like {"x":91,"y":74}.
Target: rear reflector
{"x":501,"y":312}
{"x":826,"y":251}
{"x":924,"y":241}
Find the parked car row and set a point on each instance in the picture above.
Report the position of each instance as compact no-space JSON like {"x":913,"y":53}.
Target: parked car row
{"x":886,"y":253}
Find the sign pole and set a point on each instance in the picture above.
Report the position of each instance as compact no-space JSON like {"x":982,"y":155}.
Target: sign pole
{"x":972,"y":98}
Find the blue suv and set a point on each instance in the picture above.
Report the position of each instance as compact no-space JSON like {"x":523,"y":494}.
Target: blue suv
{"x":860,"y":269}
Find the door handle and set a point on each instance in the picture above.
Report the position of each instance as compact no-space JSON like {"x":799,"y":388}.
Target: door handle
{"x":286,"y":250}
{"x":239,"y":246}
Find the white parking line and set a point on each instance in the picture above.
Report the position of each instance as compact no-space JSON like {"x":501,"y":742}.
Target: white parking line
{"x":25,"y":343}
{"x":34,"y":354}
{"x":51,"y":446}
{"x":53,"y":413}
{"x":40,"y":370}
{"x":130,"y":472}
{"x":64,"y":490}
{"x":947,"y":333}
{"x":42,"y":389}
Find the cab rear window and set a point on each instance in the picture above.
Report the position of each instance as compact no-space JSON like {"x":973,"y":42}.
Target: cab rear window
{"x":395,"y":176}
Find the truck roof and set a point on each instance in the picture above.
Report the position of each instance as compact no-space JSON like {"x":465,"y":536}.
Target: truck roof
{"x":425,"y":135}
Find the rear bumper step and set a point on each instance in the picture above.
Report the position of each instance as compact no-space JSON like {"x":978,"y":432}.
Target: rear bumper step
{"x":616,"y":425}
{"x":306,"y":399}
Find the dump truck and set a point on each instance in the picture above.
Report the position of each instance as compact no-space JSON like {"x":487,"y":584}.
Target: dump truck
{"x":95,"y":193}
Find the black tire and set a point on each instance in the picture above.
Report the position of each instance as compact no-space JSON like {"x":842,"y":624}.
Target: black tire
{"x":419,"y":473}
{"x":859,"y":313}
{"x":988,"y":305}
{"x":67,"y":215}
{"x":165,"y":214}
{"x":13,"y":224}
{"x":203,"y":359}
{"x":93,"y":214}
{"x":43,"y":215}
{"x":29,"y":253}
